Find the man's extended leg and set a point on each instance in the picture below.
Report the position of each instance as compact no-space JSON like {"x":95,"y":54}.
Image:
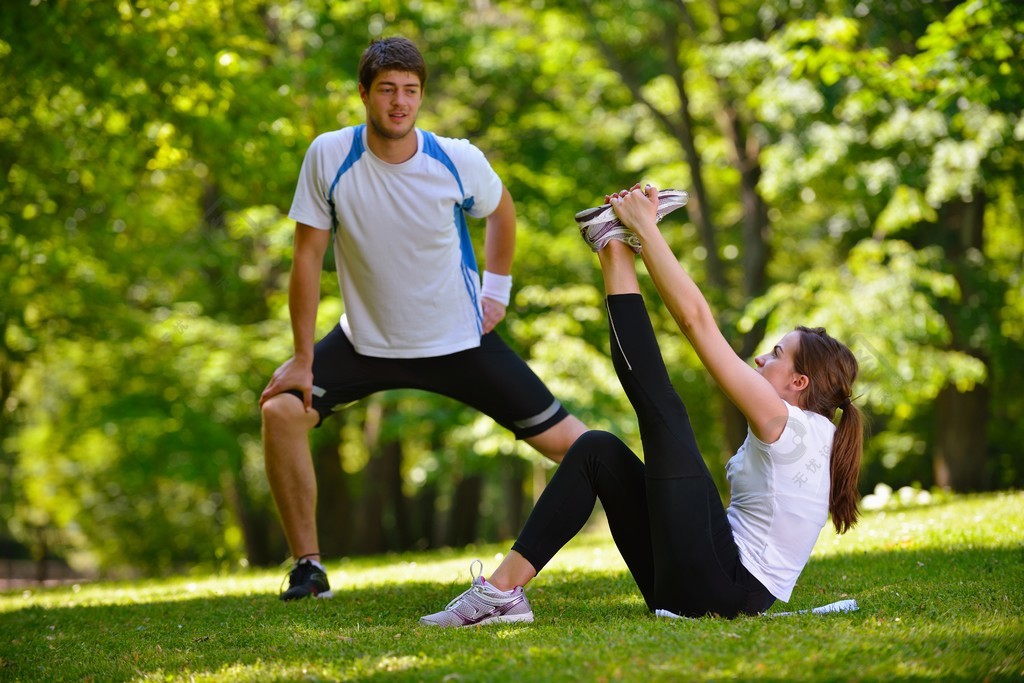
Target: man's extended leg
{"x":289,"y":465}
{"x":495,"y":380}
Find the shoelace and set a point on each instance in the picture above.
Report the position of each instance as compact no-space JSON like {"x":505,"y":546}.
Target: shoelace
{"x":473,"y":588}
{"x":295,"y":571}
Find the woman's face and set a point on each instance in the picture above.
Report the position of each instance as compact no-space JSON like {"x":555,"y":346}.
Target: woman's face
{"x":776,"y":366}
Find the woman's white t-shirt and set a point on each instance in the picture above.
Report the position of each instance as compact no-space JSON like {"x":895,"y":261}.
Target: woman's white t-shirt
{"x":780,"y":495}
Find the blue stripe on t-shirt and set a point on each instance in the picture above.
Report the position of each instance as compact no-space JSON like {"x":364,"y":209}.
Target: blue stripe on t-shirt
{"x":470,"y":273}
{"x":354,"y":153}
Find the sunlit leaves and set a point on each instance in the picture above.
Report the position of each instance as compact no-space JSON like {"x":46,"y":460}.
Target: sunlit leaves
{"x":150,"y":152}
{"x":906,"y":208}
{"x":882,"y":303}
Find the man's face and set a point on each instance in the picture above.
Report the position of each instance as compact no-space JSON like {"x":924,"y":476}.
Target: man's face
{"x":392,"y":103}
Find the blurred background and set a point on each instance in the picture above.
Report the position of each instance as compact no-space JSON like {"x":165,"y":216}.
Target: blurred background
{"x":852,"y":164}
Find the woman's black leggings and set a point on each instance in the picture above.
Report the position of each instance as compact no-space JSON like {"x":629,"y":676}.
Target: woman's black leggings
{"x":665,"y":514}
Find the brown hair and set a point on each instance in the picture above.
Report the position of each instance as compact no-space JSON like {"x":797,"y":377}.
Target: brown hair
{"x":832,"y":368}
{"x":391,"y":54}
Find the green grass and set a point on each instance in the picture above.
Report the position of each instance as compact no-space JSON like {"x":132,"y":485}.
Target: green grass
{"x":941,"y":591}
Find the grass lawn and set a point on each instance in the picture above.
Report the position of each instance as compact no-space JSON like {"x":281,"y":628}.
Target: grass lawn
{"x":940,"y":589}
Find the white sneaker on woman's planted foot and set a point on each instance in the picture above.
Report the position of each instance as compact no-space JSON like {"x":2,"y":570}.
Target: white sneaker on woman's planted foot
{"x":482,"y":604}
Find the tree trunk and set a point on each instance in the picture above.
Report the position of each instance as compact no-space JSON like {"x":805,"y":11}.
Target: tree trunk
{"x":746,"y":158}
{"x":11,"y":366}
{"x":961,"y":437}
{"x":368,"y":515}
{"x":333,"y":500}
{"x":465,"y":510}
{"x":41,"y":550}
{"x":513,"y":474}
{"x":734,"y":425}
{"x":961,"y":440}
{"x":368,"y":533}
{"x":396,"y":509}
{"x":425,"y":533}
{"x":382,"y":517}
{"x":680,"y":126}
{"x":265,"y":544}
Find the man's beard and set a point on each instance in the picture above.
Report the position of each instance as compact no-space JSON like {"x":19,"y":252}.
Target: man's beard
{"x":390,"y":135}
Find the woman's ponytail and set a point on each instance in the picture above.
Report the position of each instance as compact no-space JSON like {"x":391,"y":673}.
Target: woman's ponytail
{"x":845,"y":468}
{"x":832,"y":368}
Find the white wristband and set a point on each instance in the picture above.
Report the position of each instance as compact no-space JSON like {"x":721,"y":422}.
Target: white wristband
{"x":497,"y":287}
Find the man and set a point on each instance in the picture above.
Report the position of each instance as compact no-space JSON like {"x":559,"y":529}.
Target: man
{"x":393,"y":200}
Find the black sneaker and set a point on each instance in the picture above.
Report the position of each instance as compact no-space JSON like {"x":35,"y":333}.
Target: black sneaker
{"x":305,"y":580}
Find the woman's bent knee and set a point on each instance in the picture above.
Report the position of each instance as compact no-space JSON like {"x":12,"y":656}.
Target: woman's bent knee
{"x":596,"y":439}
{"x":600,"y":445}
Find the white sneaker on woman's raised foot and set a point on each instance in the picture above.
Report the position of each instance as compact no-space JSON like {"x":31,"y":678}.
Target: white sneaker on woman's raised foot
{"x":599,"y":225}
{"x":482,"y":604}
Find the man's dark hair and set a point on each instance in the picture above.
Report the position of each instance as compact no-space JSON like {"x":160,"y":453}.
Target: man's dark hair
{"x":391,"y":54}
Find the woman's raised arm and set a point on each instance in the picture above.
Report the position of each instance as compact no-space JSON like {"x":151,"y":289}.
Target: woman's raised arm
{"x":751,"y":393}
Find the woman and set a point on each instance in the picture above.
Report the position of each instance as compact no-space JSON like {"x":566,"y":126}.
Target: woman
{"x":687,"y":553}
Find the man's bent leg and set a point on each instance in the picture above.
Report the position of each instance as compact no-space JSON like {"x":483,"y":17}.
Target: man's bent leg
{"x":289,"y":466}
{"x":556,"y":440}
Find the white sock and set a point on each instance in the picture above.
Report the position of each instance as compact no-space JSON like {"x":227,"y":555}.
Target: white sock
{"x":498,"y":590}
{"x":315,"y":563}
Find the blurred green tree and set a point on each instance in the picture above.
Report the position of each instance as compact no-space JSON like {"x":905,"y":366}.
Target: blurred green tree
{"x":852,"y":163}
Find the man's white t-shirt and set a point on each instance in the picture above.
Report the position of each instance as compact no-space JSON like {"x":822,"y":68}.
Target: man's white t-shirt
{"x":780,"y":495}
{"x":405,"y":262}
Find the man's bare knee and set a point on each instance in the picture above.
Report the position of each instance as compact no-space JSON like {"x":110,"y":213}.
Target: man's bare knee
{"x":285,"y":411}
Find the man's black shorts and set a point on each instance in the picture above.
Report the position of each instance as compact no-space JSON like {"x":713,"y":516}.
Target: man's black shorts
{"x":490,"y":378}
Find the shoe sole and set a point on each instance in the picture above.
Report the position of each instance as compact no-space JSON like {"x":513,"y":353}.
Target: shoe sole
{"x":526,"y":618}
{"x":510,"y":619}
{"x":602,"y":218}
{"x":326,"y":595}
{"x":668,"y":201}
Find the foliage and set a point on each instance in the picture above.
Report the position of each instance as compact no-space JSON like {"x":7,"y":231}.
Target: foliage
{"x":939,"y":589}
{"x":150,"y":150}
{"x":898,"y":149}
